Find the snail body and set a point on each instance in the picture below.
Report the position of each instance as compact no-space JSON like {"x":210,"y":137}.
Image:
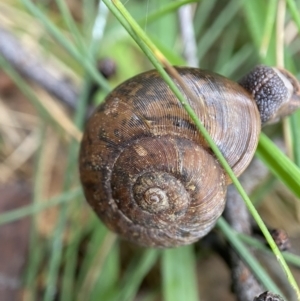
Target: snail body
{"x":147,"y":171}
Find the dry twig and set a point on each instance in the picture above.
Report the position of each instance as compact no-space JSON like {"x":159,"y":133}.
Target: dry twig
{"x":245,"y":284}
{"x":37,"y":69}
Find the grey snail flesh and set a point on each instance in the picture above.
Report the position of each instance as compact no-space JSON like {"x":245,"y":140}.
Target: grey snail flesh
{"x":146,"y":170}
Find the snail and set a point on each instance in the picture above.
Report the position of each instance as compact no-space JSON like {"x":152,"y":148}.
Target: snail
{"x":146,"y":170}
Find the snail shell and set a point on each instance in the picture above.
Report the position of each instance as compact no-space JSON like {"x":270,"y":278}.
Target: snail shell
{"x":147,"y":171}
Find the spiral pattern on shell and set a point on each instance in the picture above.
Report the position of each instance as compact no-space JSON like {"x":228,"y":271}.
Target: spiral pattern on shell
{"x":146,"y":170}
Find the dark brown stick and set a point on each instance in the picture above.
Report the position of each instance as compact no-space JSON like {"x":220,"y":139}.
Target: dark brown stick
{"x":36,"y":69}
{"x":268,"y":296}
{"x":245,"y":284}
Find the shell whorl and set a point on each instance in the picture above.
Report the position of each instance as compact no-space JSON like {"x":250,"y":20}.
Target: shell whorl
{"x":147,"y":171}
{"x":155,"y":188}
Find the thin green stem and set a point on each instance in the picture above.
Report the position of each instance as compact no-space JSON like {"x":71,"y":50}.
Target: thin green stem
{"x":71,"y":23}
{"x":70,"y":259}
{"x":83,"y":58}
{"x":246,"y":256}
{"x":34,"y":208}
{"x":269,"y":25}
{"x":136,"y":271}
{"x":165,"y":10}
{"x":56,"y":258}
{"x":36,"y":248}
{"x":251,"y":241}
{"x":27,"y":91}
{"x":210,"y":36}
{"x":156,"y":53}
{"x":279,"y":164}
{"x":176,"y":287}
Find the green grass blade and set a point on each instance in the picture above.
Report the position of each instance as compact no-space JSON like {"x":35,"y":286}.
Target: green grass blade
{"x":162,"y":11}
{"x":295,"y":128}
{"x":247,"y":257}
{"x":214,"y":31}
{"x":279,"y":164}
{"x":237,"y":60}
{"x":168,"y":52}
{"x":262,"y":190}
{"x":106,"y":283}
{"x":34,"y":208}
{"x":179,"y":274}
{"x":68,"y":19}
{"x":163,"y":28}
{"x":55,"y":259}
{"x":28,"y":92}
{"x":135,"y":273}
{"x":226,"y":49}
{"x":259,"y":17}
{"x":255,"y":12}
{"x":70,"y":261}
{"x":96,"y":271}
{"x":36,"y":247}
{"x":55,"y":255}
{"x":202,"y":15}
{"x":97,"y":235}
{"x":251,"y":241}
{"x":88,"y":12}
{"x":83,"y":58}
{"x":268,"y":28}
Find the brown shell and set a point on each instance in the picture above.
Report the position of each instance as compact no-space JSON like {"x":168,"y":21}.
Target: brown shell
{"x":147,"y":171}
